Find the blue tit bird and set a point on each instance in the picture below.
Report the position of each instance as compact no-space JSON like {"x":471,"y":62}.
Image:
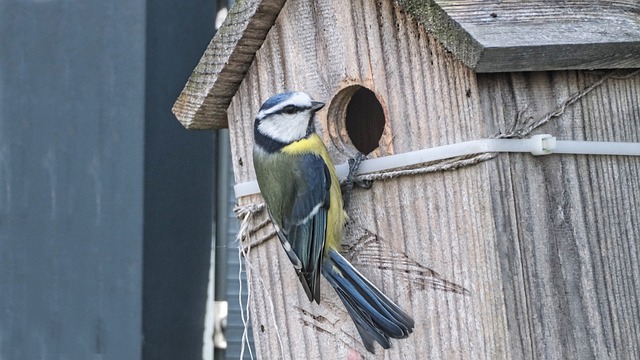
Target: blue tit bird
{"x":300,"y":187}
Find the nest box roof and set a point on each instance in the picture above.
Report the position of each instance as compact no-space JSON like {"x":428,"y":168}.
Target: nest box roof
{"x":488,"y":36}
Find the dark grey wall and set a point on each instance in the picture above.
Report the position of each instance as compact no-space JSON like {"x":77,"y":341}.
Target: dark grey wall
{"x":71,"y":176}
{"x":227,"y":262}
{"x":98,"y":182}
{"x":178,"y":185}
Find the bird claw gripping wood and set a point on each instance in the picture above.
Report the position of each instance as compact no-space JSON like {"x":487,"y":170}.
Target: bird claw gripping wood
{"x":350,"y":182}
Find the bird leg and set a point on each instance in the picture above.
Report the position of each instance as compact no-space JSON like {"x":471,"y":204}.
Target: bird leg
{"x":350,"y":182}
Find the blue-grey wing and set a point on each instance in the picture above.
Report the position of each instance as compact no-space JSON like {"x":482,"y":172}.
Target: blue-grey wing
{"x":304,"y":229}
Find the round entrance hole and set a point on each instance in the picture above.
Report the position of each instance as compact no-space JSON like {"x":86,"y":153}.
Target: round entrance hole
{"x":363,"y":115}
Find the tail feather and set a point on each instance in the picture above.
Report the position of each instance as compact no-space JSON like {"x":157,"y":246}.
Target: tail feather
{"x":376,"y":317}
{"x":373,"y":295}
{"x":373,"y":302}
{"x":363,"y":322}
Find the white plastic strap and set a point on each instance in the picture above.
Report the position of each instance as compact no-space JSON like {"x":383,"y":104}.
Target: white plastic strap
{"x":543,"y":144}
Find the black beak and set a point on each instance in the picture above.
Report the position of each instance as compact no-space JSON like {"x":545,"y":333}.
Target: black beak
{"x":316,"y":105}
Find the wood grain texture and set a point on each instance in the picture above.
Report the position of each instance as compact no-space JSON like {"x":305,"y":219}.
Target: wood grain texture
{"x":203,"y":102}
{"x":330,"y":46}
{"x":545,"y":247}
{"x":534,"y":35}
{"x":488,"y":36}
{"x":568,"y":225}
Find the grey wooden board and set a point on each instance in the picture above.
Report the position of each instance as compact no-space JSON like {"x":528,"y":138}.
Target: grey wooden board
{"x":533,"y":35}
{"x":568,"y":225}
{"x":488,"y":36}
{"x":428,"y":106}
{"x":545,"y":246}
{"x":203,"y":102}
{"x":71,"y":155}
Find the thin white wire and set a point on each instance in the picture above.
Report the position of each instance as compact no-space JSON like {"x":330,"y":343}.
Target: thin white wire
{"x":271,"y":307}
{"x":245,"y":321}
{"x":244,"y":230}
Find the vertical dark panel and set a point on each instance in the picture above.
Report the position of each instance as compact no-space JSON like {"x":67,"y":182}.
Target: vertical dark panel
{"x":227,"y":262}
{"x":178,"y":185}
{"x":71,"y":156}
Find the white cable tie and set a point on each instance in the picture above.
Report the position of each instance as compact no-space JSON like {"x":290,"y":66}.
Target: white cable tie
{"x":246,"y":188}
{"x":597,"y":148}
{"x":543,"y":144}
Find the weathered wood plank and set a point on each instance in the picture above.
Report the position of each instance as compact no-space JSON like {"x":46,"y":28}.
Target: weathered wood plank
{"x":203,"y":102}
{"x":567,"y":226}
{"x":533,"y":35}
{"x":331,"y":45}
{"x":545,"y":246}
{"x":487,"y":36}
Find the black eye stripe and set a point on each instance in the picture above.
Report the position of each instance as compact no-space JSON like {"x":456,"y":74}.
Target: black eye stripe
{"x":291,"y":109}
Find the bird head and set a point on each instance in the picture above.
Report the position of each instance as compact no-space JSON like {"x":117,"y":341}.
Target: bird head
{"x":287,"y":117}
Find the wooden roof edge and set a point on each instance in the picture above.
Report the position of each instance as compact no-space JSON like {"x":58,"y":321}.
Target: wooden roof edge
{"x":534,"y":35}
{"x":445,"y":29}
{"x":203,"y":102}
{"x":530,"y":35}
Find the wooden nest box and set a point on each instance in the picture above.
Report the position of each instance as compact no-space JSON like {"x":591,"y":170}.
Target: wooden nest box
{"x":508,"y":256}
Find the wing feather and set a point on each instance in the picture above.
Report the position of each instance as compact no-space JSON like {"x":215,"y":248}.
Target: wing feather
{"x":305,"y":227}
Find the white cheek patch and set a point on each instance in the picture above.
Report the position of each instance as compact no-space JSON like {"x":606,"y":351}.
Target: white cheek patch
{"x":285,"y":127}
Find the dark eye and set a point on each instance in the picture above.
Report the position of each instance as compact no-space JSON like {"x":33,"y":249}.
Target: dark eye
{"x":289,"y":109}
